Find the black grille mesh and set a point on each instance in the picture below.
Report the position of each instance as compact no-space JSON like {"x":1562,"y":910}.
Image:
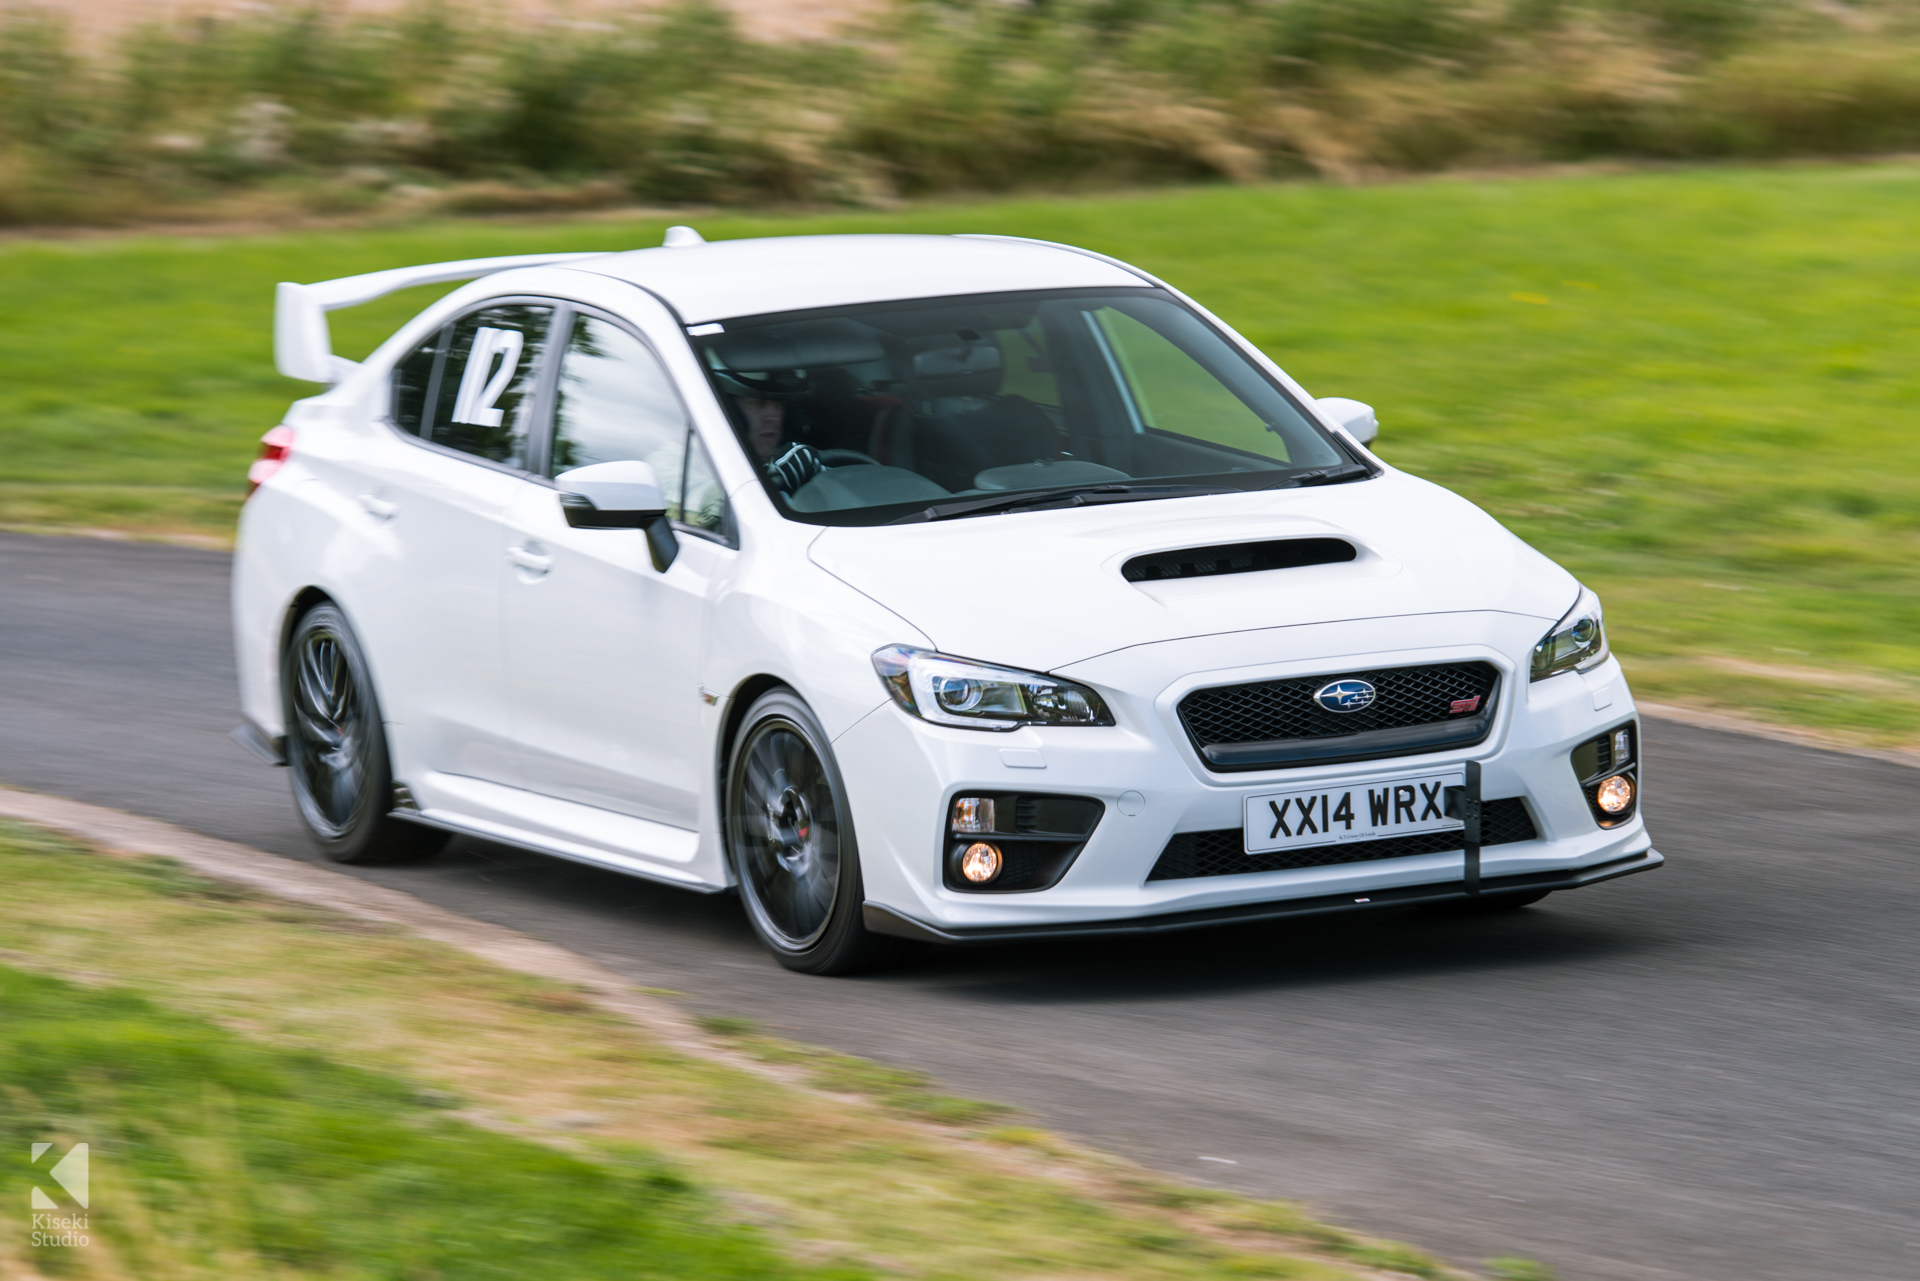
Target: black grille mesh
{"x":1023,"y":865}
{"x":1222,"y":853}
{"x":1267,"y":711}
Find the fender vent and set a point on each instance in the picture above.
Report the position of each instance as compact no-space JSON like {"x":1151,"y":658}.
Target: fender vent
{"x":1237,"y":558}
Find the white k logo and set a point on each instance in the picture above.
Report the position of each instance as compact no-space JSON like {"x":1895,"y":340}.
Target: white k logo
{"x":70,"y":1172}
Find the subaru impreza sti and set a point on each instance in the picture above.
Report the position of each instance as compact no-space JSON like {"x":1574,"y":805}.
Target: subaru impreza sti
{"x":945,"y":588}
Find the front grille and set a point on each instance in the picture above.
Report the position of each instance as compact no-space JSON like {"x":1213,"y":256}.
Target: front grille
{"x":1271,"y":724}
{"x":1223,"y":853}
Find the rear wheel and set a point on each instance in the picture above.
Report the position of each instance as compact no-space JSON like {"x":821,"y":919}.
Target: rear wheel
{"x":790,"y":838}
{"x":337,"y":748}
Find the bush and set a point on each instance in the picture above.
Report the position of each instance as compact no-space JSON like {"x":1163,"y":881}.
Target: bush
{"x":441,"y":105}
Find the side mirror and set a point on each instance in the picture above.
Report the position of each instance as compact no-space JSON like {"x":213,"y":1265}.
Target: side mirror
{"x":1357,"y":418}
{"x":622,"y":495}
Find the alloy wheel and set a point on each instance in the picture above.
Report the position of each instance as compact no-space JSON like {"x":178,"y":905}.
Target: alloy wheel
{"x":331,"y":753}
{"x":787,"y":834}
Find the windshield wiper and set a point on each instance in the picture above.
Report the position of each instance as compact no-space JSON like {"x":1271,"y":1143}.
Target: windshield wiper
{"x":1066,"y":496}
{"x":1326,"y":476}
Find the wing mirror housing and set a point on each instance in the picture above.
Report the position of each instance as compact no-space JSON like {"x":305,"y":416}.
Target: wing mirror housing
{"x":622,"y":495}
{"x":1356,"y":417}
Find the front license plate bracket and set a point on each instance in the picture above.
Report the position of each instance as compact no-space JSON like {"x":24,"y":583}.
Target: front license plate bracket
{"x":1463,"y":803}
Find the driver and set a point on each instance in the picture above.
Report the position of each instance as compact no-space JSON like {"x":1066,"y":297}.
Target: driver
{"x":762,"y":401}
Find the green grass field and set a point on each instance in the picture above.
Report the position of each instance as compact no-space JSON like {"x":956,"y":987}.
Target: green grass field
{"x":265,"y":1161}
{"x":1693,"y":388}
{"x":270,"y":1090}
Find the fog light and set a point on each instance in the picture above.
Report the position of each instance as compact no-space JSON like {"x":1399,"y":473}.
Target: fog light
{"x":981,"y":863}
{"x":973,"y":814}
{"x":1614,"y":795}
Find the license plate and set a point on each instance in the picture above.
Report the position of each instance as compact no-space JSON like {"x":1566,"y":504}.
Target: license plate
{"x":1362,"y":812}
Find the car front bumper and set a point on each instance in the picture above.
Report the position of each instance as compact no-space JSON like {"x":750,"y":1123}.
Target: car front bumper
{"x":902,"y":773}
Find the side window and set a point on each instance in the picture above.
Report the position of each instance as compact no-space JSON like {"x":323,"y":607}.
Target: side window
{"x":614,"y":403}
{"x":705,"y":504}
{"x":482,"y":400}
{"x":413,"y":382}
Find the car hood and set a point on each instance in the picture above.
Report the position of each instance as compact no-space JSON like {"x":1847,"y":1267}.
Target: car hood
{"x":1043,"y":589}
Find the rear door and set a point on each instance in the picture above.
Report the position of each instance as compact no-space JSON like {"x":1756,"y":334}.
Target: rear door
{"x":465,"y":403}
{"x":605,"y":651}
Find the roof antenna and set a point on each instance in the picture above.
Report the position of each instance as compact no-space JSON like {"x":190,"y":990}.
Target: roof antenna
{"x":683,"y":238}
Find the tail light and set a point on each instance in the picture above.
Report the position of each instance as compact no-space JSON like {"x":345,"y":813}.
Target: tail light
{"x":275,"y":448}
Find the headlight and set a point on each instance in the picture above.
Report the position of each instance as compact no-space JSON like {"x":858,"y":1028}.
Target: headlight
{"x":952,"y":691}
{"x":1577,"y":643}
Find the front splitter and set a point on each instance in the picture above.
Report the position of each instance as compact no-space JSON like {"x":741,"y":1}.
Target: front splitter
{"x":884,"y":920}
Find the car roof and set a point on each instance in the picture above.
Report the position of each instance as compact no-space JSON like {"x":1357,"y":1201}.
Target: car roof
{"x":728,"y":278}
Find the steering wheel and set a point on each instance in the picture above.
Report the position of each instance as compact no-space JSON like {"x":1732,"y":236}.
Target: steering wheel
{"x":846,"y":458}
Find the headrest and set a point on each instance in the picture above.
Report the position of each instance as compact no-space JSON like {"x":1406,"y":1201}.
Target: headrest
{"x":970,"y":370}
{"x":797,"y":346}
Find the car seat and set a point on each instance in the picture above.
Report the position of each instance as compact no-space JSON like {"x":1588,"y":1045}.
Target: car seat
{"x":841,"y":416}
{"x":958,"y":423}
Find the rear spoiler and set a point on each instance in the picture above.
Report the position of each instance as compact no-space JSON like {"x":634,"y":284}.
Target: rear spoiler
{"x":302,"y":347}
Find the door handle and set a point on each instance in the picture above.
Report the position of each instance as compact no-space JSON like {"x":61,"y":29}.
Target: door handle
{"x":379,"y":508}
{"x":531,"y":561}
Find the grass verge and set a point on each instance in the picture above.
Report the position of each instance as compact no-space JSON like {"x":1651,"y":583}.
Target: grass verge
{"x":215,"y":1150}
{"x":294,"y":1094}
{"x":1690,"y":387}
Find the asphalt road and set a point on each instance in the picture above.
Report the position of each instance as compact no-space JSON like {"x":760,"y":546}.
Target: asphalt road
{"x":1705,"y":1072}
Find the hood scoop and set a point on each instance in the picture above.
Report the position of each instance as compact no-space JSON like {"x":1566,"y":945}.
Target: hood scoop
{"x":1237,"y":558}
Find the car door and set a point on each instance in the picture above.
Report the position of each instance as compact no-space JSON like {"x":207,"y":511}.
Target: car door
{"x":437,"y":495}
{"x":604,"y":650}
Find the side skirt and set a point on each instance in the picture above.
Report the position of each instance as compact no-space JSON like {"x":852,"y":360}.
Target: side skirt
{"x":501,"y":834}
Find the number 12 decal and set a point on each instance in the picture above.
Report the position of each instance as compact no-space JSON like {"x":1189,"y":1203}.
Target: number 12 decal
{"x":474,"y":403}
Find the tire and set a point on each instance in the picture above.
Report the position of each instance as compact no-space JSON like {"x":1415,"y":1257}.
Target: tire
{"x":790,"y":841}
{"x":337,"y":748}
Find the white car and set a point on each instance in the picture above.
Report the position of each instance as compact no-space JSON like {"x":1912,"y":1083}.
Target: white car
{"x":945,"y":588}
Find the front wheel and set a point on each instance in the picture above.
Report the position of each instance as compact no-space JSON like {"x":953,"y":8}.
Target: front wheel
{"x":337,"y":748}
{"x":790,"y":839}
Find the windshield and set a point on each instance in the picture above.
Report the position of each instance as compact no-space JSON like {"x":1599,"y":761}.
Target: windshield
{"x":861,"y":415}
